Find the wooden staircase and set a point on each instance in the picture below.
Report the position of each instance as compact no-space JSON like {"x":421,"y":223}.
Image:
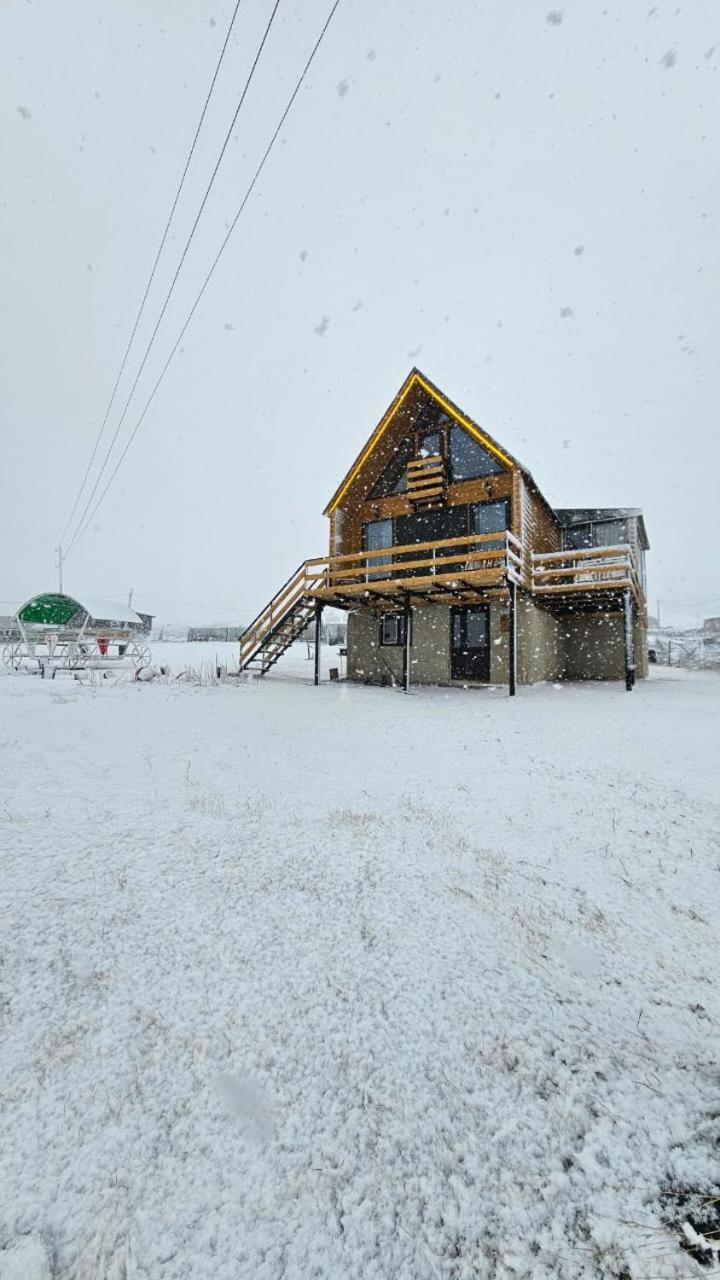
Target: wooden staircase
{"x":281,"y":622}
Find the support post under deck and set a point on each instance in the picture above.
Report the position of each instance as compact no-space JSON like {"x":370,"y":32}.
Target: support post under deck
{"x":512,"y":640}
{"x":318,"y":624}
{"x":407,"y":614}
{"x":629,"y":641}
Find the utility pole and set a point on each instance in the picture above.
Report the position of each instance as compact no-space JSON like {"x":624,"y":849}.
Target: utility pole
{"x":60,"y":569}
{"x":130,"y":597}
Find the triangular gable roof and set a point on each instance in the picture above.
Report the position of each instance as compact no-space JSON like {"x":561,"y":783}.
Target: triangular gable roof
{"x":418,"y":381}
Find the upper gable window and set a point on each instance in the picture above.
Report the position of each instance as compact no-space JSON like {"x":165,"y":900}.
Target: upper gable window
{"x":430,"y":444}
{"x":468,"y":458}
{"x":394,"y":477}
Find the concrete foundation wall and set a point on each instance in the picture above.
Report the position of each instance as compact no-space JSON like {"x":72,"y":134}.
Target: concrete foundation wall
{"x":583,"y":646}
{"x":594,"y":645}
{"x":540,"y":654}
{"x":370,"y":661}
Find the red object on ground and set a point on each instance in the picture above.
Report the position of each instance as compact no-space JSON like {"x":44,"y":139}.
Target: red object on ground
{"x":102,"y":646}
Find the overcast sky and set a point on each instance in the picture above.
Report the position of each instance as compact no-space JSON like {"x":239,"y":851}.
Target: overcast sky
{"x":521,"y":200}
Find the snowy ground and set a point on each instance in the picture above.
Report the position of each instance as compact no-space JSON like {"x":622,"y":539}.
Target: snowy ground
{"x":341,"y":984}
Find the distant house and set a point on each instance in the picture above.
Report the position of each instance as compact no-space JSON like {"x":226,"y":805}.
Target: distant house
{"x":711,"y":633}
{"x":215,"y":633}
{"x":9,"y":629}
{"x":455,"y":569}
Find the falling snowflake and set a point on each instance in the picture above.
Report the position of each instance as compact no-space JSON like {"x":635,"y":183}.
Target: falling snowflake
{"x":342,"y":88}
{"x":668,"y":59}
{"x":24,"y":112}
{"x":322,"y":328}
{"x":579,"y":250}
{"x":554,"y":17}
{"x":565,"y":312}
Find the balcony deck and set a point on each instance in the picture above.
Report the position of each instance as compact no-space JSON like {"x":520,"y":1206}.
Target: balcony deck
{"x":588,"y":576}
{"x":446,"y":570}
{"x":473,"y":568}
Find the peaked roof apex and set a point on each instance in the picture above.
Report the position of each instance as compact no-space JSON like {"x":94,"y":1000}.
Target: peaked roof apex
{"x":416,"y":378}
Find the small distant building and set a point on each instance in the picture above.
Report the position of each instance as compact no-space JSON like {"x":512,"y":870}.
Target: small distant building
{"x":218,"y":634}
{"x":711,"y":629}
{"x":9,"y":629}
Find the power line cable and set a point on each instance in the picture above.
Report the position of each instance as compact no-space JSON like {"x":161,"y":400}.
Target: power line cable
{"x":171,"y":290}
{"x":81,"y":531}
{"x":161,"y":246}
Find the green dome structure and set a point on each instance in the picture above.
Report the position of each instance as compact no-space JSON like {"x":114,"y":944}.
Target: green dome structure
{"x":64,"y":632}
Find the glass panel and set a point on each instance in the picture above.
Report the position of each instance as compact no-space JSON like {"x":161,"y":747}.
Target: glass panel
{"x":577,"y":537}
{"x":390,"y":628}
{"x":611,"y":533}
{"x":476,"y":622}
{"x":377,"y":534}
{"x":394,"y":477}
{"x":468,"y":458}
{"x":430,"y":444}
{"x":489,"y":517}
{"x":432,"y":526}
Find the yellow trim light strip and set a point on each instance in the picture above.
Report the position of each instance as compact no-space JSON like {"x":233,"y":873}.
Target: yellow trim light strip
{"x":417,"y":379}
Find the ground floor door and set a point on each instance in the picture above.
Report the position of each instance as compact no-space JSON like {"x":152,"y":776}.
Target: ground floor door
{"x":470,"y":642}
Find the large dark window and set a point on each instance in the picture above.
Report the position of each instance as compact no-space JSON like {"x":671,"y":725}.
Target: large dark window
{"x":468,"y":458}
{"x":394,"y":477}
{"x":431,"y":526}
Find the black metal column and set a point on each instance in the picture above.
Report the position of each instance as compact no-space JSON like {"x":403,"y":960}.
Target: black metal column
{"x":318,"y":643}
{"x":512,"y":639}
{"x":407,"y":614}
{"x":629,"y":641}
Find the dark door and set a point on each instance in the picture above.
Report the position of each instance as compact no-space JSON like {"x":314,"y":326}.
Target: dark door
{"x":470,"y":642}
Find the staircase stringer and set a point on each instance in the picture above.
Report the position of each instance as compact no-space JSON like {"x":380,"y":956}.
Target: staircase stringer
{"x":282,"y":620}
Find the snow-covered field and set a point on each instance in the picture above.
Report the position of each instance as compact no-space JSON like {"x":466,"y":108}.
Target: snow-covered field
{"x":341,"y":984}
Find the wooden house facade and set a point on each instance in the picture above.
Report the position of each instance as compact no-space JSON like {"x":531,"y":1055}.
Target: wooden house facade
{"x":454,"y":569}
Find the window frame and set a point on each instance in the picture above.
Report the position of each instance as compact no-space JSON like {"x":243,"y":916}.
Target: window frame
{"x":399,"y":618}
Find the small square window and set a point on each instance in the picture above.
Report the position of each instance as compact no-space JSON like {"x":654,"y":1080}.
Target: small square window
{"x":392,"y":629}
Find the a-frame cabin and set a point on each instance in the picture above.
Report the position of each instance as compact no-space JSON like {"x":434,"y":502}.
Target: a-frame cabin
{"x":456,"y":570}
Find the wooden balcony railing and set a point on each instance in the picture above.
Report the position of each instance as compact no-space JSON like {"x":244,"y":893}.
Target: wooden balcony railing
{"x":481,"y":559}
{"x":593,"y":569}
